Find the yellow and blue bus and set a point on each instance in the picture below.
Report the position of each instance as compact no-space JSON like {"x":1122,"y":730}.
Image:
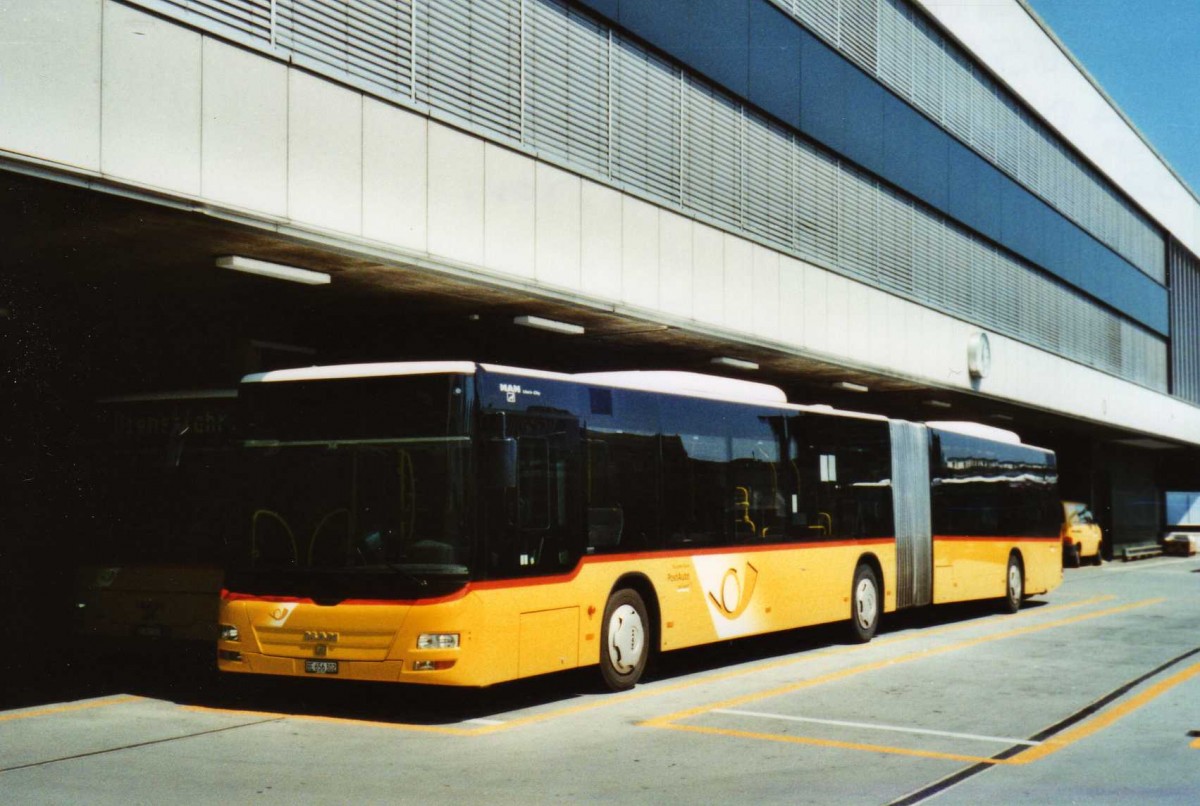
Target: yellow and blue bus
{"x":466,"y":524}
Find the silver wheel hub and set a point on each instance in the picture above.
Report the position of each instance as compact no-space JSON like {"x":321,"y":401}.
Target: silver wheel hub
{"x":626,"y":639}
{"x":865,"y":603}
{"x":1014,"y":583}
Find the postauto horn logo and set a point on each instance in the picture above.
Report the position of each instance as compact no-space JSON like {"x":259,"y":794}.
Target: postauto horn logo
{"x":729,"y":583}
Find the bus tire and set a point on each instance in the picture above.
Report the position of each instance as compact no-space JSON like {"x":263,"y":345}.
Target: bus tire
{"x":864,"y":604}
{"x":624,"y":640}
{"x":1014,"y":585}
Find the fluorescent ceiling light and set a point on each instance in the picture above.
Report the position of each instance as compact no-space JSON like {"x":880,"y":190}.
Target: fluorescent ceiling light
{"x":847,"y":386}
{"x":276,"y":270}
{"x":736,"y":363}
{"x":538,"y":322}
{"x":937,"y":404}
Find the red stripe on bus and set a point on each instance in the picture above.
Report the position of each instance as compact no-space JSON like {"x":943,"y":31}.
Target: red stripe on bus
{"x":995,"y":538}
{"x":558,"y":579}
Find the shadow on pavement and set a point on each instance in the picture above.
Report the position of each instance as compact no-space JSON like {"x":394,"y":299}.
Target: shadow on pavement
{"x":187,"y":675}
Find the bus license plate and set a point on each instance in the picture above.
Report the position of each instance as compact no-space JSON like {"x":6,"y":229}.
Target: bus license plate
{"x":321,"y":666}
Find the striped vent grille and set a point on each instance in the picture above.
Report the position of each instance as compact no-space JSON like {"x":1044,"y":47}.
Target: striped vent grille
{"x":894,"y":42}
{"x":539,"y":75}
{"x":1185,"y":324}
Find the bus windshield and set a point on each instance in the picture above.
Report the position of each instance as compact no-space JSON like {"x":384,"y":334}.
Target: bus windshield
{"x":367,"y":506}
{"x":363,"y":502}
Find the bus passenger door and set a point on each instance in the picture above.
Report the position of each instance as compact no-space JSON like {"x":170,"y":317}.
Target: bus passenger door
{"x":535,"y":522}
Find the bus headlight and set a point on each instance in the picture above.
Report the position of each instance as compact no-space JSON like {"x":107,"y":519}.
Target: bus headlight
{"x":228,"y":632}
{"x":438,"y":640}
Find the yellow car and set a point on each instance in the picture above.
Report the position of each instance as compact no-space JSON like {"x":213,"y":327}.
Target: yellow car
{"x":1081,"y":535}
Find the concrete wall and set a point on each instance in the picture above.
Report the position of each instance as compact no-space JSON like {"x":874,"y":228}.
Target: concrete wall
{"x":100,"y":90}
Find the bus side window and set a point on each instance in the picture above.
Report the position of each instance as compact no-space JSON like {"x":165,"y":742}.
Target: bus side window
{"x":533,"y":483}
{"x":605,"y":518}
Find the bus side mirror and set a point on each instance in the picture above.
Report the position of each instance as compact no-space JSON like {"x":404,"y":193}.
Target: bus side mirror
{"x":502,"y":463}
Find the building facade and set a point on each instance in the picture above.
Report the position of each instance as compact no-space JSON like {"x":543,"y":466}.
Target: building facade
{"x":845,"y":194}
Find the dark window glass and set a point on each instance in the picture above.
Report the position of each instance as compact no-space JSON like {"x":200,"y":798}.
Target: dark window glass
{"x":622,"y":484}
{"x":356,"y":408}
{"x":986,"y":488}
{"x":543,"y":535}
{"x":839,"y":478}
{"x":721,"y":473}
{"x":622,"y":492}
{"x":534,"y":482}
{"x":758,"y":476}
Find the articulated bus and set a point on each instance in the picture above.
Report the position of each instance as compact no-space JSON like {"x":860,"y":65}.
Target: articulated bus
{"x":467,"y":524}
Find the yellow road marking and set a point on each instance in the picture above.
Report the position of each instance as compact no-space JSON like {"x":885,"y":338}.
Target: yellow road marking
{"x":644,"y":692}
{"x":871,"y":748}
{"x":720,"y":677}
{"x":1027,"y":756}
{"x":1106,"y":718}
{"x":335,"y":720}
{"x":62,"y":709}
{"x":664,"y":721}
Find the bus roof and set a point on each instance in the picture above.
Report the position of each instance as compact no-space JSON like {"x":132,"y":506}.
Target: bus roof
{"x":380,"y":370}
{"x":677,"y":382}
{"x":691,"y":384}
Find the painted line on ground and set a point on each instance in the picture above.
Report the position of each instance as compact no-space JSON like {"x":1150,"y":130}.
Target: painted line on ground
{"x":1010,"y":755}
{"x":337,"y":720}
{"x":873,"y":726}
{"x":131,"y":746}
{"x":806,"y":740}
{"x":63,"y":709}
{"x":652,"y":690}
{"x":1105,"y":718}
{"x":1152,"y":564}
{"x":668,"y":720}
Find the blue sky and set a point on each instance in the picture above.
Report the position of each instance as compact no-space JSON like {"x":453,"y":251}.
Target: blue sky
{"x":1146,"y":56}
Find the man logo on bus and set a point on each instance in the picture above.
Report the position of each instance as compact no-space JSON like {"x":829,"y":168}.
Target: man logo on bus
{"x":735,"y":593}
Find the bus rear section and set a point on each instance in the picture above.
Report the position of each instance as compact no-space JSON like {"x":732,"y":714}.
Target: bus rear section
{"x":162,"y":485}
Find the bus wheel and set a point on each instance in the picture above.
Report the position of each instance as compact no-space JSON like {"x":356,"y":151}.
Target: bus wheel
{"x":864,"y":604}
{"x":1014,"y":586}
{"x":624,"y":645}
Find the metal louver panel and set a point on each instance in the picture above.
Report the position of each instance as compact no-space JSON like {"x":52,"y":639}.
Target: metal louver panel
{"x":566,"y":85}
{"x":368,"y":40}
{"x":893,"y":41}
{"x":250,"y":18}
{"x":896,"y":47}
{"x":958,"y":249}
{"x":821,"y":16}
{"x":858,"y":29}
{"x":768,"y":182}
{"x":929,"y":258}
{"x":543,"y":76}
{"x":895,"y":226}
{"x":1185,"y":324}
{"x":816,"y":229}
{"x":857,"y":239}
{"x":646,"y":121}
{"x":469,"y":62}
{"x":928,"y":58}
{"x":712,"y":139}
